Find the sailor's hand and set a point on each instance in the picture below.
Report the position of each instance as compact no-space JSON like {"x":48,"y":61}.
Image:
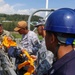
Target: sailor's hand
{"x":0,"y":46}
{"x":9,"y":38}
{"x":22,"y":50}
{"x":34,"y":57}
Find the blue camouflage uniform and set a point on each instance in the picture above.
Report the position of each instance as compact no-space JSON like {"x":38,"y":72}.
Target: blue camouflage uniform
{"x":30,"y":42}
{"x":45,"y":59}
{"x":64,"y":66}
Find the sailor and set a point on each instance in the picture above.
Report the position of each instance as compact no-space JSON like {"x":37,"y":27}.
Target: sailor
{"x":45,"y":57}
{"x":3,"y":33}
{"x":60,"y":35}
{"x":29,"y":41}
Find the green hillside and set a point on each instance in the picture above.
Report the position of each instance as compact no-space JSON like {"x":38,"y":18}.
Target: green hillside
{"x":10,"y":21}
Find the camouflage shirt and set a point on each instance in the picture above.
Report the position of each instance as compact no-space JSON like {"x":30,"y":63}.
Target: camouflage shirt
{"x":45,"y":59}
{"x":30,"y":42}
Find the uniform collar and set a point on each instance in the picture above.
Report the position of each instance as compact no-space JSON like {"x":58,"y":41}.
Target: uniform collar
{"x":66,"y":58}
